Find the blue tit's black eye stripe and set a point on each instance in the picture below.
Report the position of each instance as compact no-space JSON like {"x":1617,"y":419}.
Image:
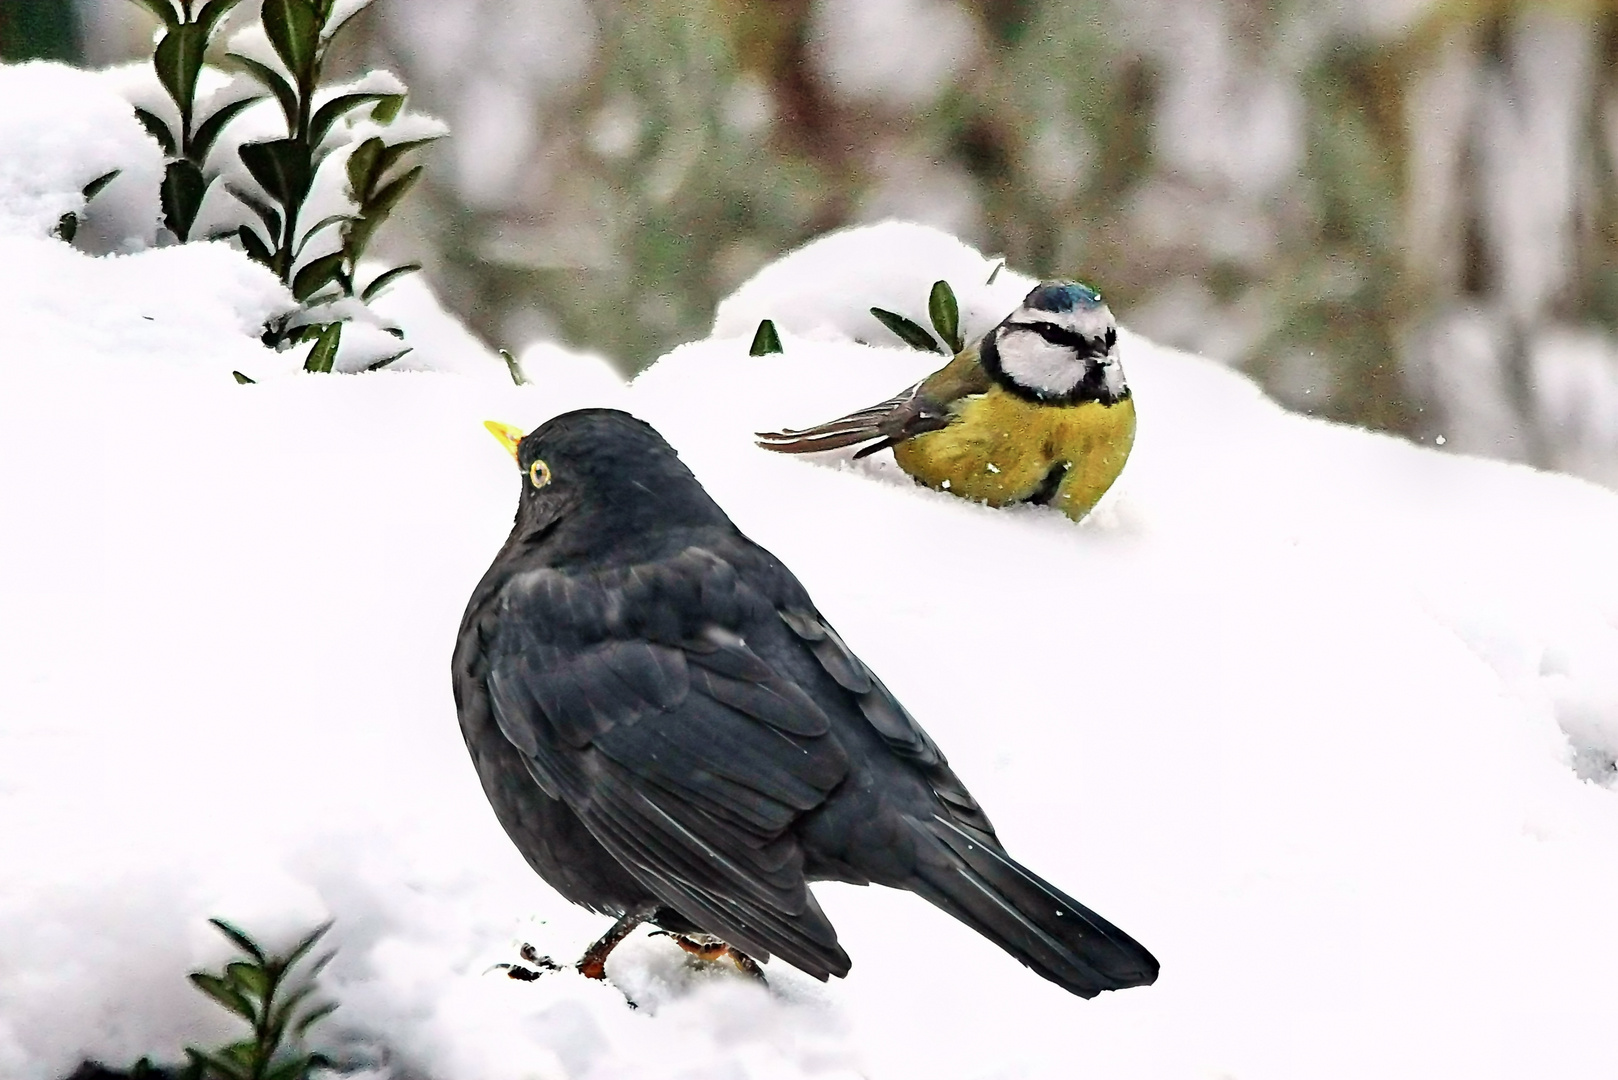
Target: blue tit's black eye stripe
{"x":1072,"y":339}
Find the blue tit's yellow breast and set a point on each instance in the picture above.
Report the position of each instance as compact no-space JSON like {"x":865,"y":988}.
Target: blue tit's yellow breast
{"x":1002,"y":449}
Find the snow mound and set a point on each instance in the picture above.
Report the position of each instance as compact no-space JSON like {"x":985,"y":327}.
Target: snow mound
{"x":60,"y":129}
{"x":1293,"y":707}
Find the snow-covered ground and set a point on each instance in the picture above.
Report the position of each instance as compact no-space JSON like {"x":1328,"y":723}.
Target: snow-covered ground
{"x":1326,"y":720}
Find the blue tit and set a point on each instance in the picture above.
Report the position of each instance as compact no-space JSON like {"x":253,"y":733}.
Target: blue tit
{"x":1036,"y":412}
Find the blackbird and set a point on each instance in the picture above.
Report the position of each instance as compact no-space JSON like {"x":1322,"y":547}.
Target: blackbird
{"x":670,"y":732}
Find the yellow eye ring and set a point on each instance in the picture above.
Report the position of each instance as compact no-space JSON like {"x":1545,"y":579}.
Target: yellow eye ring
{"x":539,"y":473}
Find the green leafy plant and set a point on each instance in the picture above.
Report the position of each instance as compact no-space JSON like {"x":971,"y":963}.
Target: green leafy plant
{"x":188,"y":29}
{"x":945,"y":314}
{"x":277,"y":1003}
{"x":301,"y":33}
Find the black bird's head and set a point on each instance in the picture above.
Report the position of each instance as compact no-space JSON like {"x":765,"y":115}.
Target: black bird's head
{"x":1060,"y":347}
{"x":593,"y":479}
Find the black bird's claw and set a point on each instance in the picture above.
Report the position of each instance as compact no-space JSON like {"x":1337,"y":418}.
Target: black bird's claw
{"x":711,"y":949}
{"x":541,"y":964}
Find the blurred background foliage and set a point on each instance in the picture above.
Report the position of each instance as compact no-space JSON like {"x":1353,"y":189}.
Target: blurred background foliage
{"x":1401,"y":213}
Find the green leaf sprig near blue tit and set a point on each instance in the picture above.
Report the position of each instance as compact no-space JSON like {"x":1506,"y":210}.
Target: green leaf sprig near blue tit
{"x":1037,"y":411}
{"x":277,"y":1002}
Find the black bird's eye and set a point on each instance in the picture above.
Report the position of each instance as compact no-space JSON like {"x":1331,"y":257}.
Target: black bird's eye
{"x":539,"y":473}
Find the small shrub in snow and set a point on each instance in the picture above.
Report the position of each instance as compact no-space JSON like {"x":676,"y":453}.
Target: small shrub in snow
{"x":263,"y":991}
{"x":305,"y":193}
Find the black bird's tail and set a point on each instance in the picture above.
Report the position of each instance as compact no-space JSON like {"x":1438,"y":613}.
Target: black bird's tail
{"x":1031,"y":919}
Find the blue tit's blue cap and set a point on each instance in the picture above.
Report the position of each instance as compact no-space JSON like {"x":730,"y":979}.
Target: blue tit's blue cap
{"x":1062,"y":296}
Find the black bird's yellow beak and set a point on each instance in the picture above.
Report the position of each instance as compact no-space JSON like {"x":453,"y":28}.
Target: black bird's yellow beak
{"x":508,"y":435}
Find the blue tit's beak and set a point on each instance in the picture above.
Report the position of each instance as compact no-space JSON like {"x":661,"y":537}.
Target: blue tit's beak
{"x":508,"y":435}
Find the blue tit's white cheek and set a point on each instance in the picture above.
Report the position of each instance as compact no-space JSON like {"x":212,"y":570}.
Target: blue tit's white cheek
{"x":1112,"y":376}
{"x":1032,"y":362}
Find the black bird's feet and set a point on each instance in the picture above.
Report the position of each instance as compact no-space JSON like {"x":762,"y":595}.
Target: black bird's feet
{"x":541,"y":964}
{"x":711,"y":949}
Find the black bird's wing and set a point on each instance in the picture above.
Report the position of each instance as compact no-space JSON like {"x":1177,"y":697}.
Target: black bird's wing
{"x":927,"y":406}
{"x":635,"y":698}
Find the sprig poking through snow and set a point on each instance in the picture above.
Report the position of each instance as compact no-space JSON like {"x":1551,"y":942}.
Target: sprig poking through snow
{"x":262,"y":990}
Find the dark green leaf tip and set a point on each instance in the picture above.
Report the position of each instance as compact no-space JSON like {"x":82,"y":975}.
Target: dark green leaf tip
{"x":242,"y":379}
{"x":94,"y":187}
{"x":766,"y":341}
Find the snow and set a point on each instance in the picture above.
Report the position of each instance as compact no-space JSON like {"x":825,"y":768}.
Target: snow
{"x":60,"y":132}
{"x":1325,"y":719}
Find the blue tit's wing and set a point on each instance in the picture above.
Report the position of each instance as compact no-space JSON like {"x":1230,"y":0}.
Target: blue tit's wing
{"x":635,"y":698}
{"x":927,"y":406}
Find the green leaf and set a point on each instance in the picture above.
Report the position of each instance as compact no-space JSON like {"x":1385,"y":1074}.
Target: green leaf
{"x":293,"y":27}
{"x":214,"y":10}
{"x":239,"y":939}
{"x":93,"y":188}
{"x":511,"y":366}
{"x":334,"y":110}
{"x":208,"y":131}
{"x":316,"y":275}
{"x":999,"y":266}
{"x":766,"y":341}
{"x":375,"y":211}
{"x":320,"y":1012}
{"x":243,"y":379}
{"x":907,"y":331}
{"x":322,"y":356}
{"x":179,"y":61}
{"x":256,"y":248}
{"x":224,"y":993}
{"x":266,"y":213}
{"x":325,"y":958}
{"x":272,"y":81}
{"x":244,"y":1053}
{"x":67,"y":226}
{"x":363,"y":168}
{"x":288,"y":1004}
{"x":183,"y":189}
{"x":946,"y":314}
{"x":324,"y":223}
{"x":248,"y":977}
{"x":394,"y":151}
{"x":310,"y":939}
{"x":157,"y":129}
{"x":387,"y":110}
{"x":378,"y":365}
{"x":281,"y":167}
{"x":163,"y":10}
{"x":220,"y":1065}
{"x":386,"y":278}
